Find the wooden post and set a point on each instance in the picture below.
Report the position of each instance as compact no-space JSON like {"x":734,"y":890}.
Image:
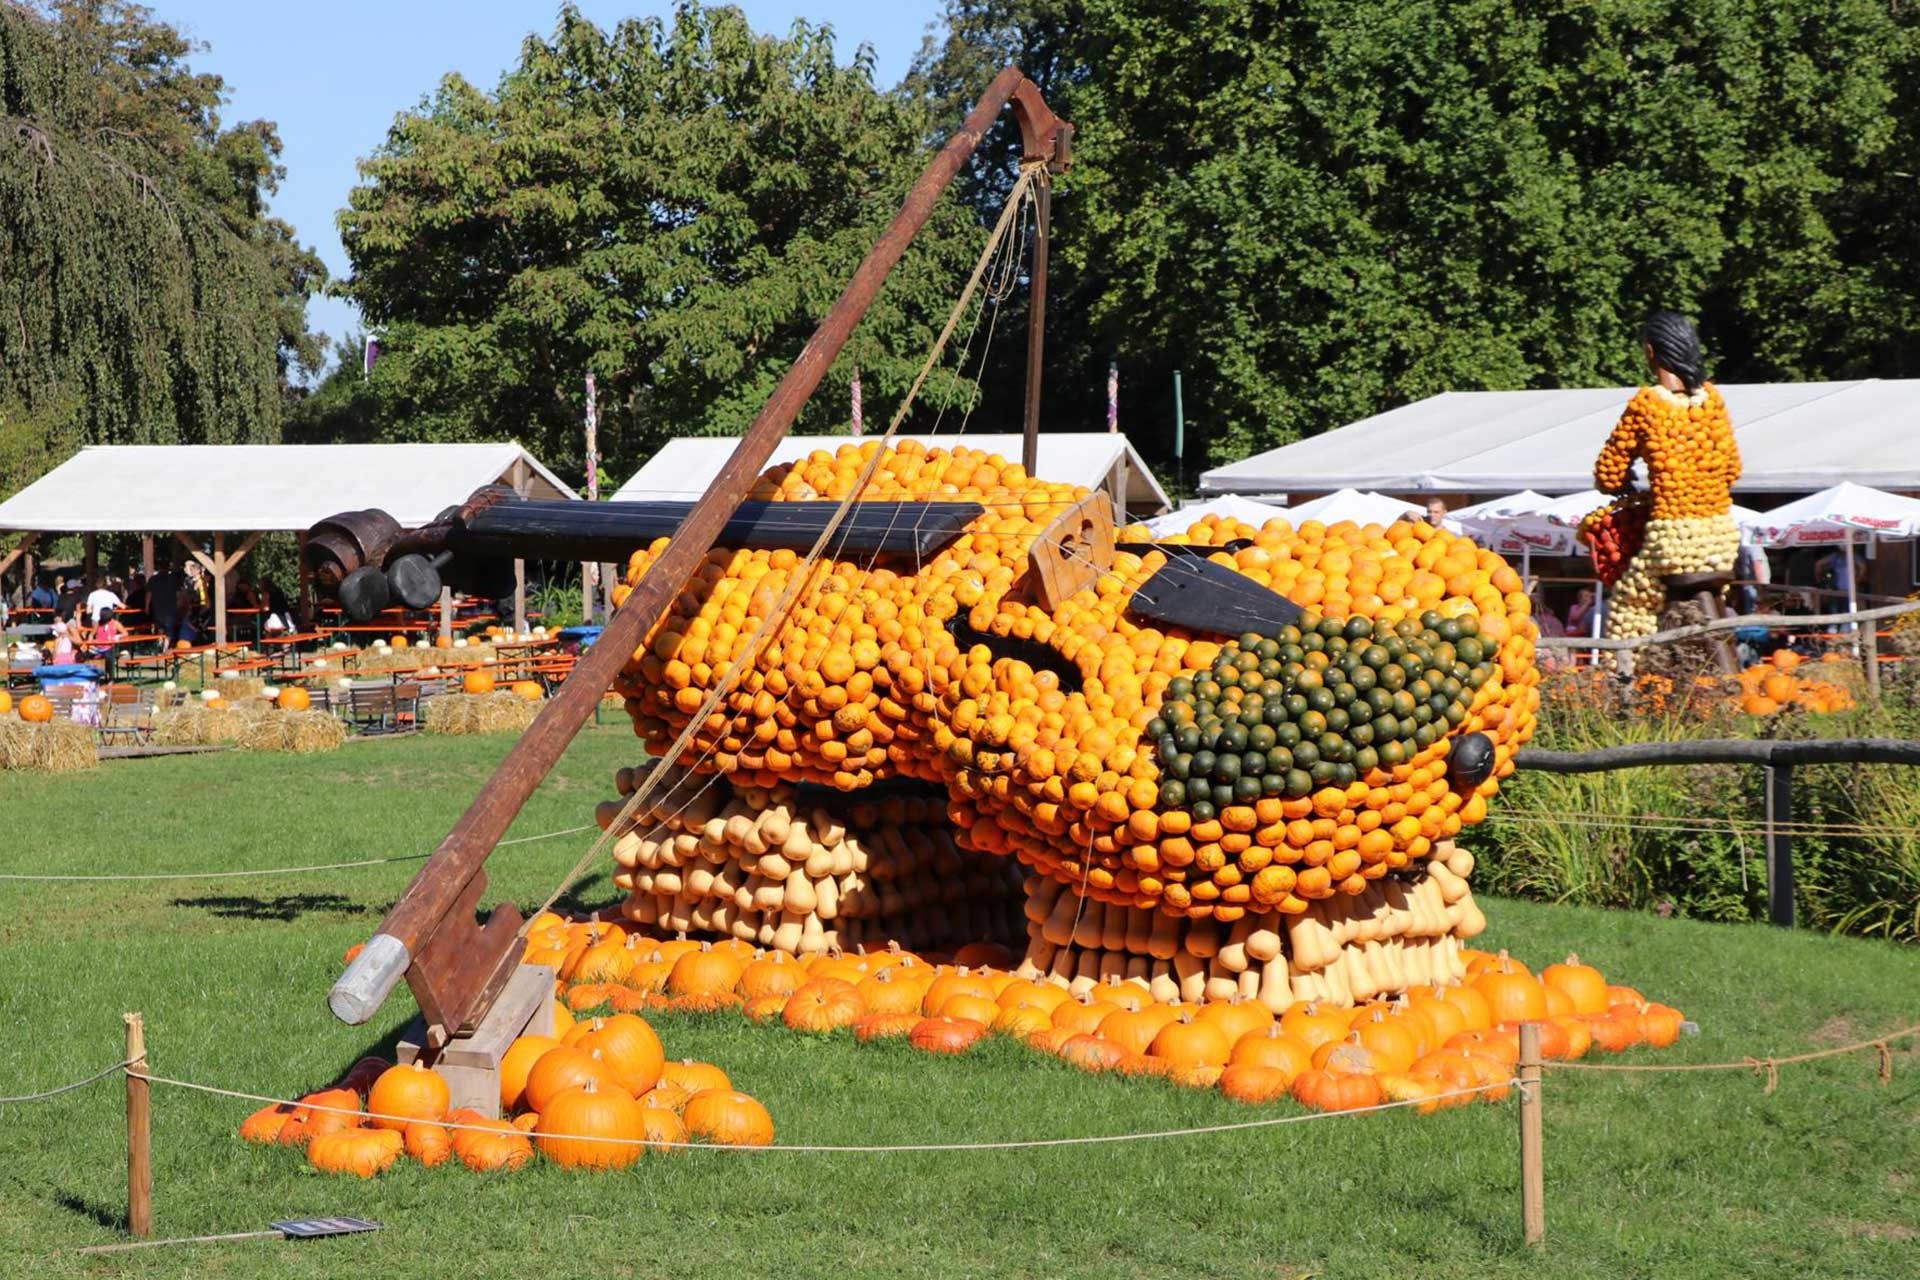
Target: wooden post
{"x":91,"y":543}
{"x":1779,"y":784}
{"x":590,"y":572}
{"x":303,"y":605}
{"x":219,"y":589}
{"x":446,"y":617}
{"x":1533,"y":1182}
{"x":1037,"y":317}
{"x":520,"y":566}
{"x":146,"y":554}
{"x":139,"y":1132}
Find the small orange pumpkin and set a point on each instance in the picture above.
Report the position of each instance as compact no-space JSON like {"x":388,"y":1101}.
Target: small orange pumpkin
{"x":728,"y":1118}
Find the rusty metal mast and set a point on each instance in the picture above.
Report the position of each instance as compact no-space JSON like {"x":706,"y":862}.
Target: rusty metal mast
{"x":455,"y":966}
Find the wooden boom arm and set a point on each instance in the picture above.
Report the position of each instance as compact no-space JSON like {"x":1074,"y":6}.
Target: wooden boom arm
{"x":457,"y":967}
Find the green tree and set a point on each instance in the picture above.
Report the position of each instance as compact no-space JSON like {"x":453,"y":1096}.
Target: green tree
{"x":670,"y":206}
{"x":1326,"y":209}
{"x":147,"y":296}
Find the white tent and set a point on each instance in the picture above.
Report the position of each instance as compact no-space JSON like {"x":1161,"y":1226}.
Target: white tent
{"x":1224,"y":508}
{"x":1840,"y":516}
{"x":1518,"y":524}
{"x":255,"y":489}
{"x":1792,"y":436}
{"x":1351,"y":504}
{"x":684,"y":468}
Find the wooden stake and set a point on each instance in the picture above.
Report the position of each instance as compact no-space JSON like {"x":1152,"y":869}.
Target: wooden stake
{"x":139,"y":1132}
{"x":1533,"y":1185}
{"x":446,"y":617}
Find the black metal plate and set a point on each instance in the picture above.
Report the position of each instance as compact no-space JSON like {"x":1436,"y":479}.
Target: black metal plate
{"x":555,"y":530}
{"x":1203,"y":596}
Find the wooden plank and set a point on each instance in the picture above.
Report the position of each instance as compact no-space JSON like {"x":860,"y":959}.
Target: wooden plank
{"x":141,"y":753}
{"x":139,"y":1131}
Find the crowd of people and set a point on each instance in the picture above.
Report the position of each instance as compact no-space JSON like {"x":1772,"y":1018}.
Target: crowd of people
{"x":87,"y":614}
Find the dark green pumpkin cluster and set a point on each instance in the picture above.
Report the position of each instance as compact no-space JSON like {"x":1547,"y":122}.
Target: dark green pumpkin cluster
{"x":1323,"y":703}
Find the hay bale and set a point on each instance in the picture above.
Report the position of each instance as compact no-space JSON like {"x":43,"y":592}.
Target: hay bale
{"x":297,"y":732}
{"x":417,"y":656}
{"x":256,"y":726}
{"x":58,"y":746}
{"x":497,"y":712}
{"x":238,"y":689}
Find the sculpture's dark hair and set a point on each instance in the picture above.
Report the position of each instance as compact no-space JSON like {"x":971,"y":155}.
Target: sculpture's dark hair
{"x":1676,"y":345}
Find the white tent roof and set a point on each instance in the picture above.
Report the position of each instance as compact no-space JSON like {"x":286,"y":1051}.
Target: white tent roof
{"x":1350,"y":504}
{"x":1840,"y":514}
{"x":685,"y":467}
{"x":1518,"y":523}
{"x":1225,"y":508}
{"x":1793,"y":436}
{"x":240,"y":488}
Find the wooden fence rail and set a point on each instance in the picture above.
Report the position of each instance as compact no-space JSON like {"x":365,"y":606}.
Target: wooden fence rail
{"x":1777,"y":757}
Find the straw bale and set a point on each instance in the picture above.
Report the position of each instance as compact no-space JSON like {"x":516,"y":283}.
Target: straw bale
{"x":58,"y":746}
{"x":497,"y":712}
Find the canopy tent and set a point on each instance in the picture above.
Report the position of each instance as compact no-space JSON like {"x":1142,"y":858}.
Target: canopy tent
{"x":1226,"y":508}
{"x":255,"y":489}
{"x":1518,"y":524}
{"x":1792,"y":436}
{"x":684,"y":468}
{"x":1836,"y":515}
{"x":1351,"y":504}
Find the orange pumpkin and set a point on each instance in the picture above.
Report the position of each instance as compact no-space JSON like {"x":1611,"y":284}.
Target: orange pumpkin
{"x":404,"y":1094}
{"x":1513,"y":994}
{"x":822,"y":1005}
{"x":293,"y":699}
{"x":36,"y":709}
{"x":728,"y":1118}
{"x":946,"y":1034}
{"x":477,"y":682}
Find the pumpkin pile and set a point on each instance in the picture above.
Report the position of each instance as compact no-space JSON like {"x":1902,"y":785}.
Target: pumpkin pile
{"x":802,"y":875}
{"x":1692,"y":461}
{"x":1770,"y":687}
{"x":595,"y":1096}
{"x":1129,"y":763}
{"x":1412,"y":1043}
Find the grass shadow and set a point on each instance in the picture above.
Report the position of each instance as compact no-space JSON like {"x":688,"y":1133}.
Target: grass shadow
{"x":111,"y":1219}
{"x":282,"y":909}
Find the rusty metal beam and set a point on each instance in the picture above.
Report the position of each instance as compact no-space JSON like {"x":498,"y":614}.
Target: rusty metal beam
{"x":440,"y":893}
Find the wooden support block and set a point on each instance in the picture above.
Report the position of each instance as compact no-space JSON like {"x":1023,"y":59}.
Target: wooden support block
{"x":1072,"y":552}
{"x":471,"y":1063}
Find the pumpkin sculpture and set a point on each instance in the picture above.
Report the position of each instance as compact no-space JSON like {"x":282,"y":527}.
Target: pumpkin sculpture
{"x":1680,"y":429}
{"x":1267,"y":816}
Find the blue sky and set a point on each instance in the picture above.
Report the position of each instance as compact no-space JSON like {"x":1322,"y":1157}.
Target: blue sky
{"x":333,"y":78}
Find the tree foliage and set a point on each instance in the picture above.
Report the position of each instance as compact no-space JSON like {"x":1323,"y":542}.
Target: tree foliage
{"x":1324,"y":209}
{"x":145,"y":295}
{"x":670,"y":206}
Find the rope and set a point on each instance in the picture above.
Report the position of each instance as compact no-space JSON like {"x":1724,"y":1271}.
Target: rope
{"x":1672,"y":822}
{"x":860,"y":1149}
{"x":1768,"y":1067}
{"x":764,"y":632}
{"x":283,"y":871}
{"x":101,"y":1074}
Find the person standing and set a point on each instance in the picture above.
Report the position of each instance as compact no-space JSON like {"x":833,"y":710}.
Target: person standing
{"x":42,"y":596}
{"x":163,"y":602}
{"x":101,"y":599}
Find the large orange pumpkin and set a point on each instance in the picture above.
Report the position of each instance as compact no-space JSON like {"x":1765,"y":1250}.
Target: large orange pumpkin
{"x":477,"y":682}
{"x":294,"y":699}
{"x":35,"y":709}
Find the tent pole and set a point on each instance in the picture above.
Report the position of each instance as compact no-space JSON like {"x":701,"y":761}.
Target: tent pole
{"x":1037,"y":317}
{"x":146,"y":554}
{"x":1853,"y":592}
{"x":1599,"y":614}
{"x":91,"y":566}
{"x":520,"y":566}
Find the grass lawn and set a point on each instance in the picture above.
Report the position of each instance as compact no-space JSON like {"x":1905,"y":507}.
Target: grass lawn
{"x":1679,"y":1175}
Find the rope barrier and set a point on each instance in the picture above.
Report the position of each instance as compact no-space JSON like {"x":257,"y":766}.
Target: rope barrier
{"x":281,"y":871}
{"x":1768,"y":1067}
{"x":1781,"y":621}
{"x":860,"y":1149}
{"x":101,"y":1074}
